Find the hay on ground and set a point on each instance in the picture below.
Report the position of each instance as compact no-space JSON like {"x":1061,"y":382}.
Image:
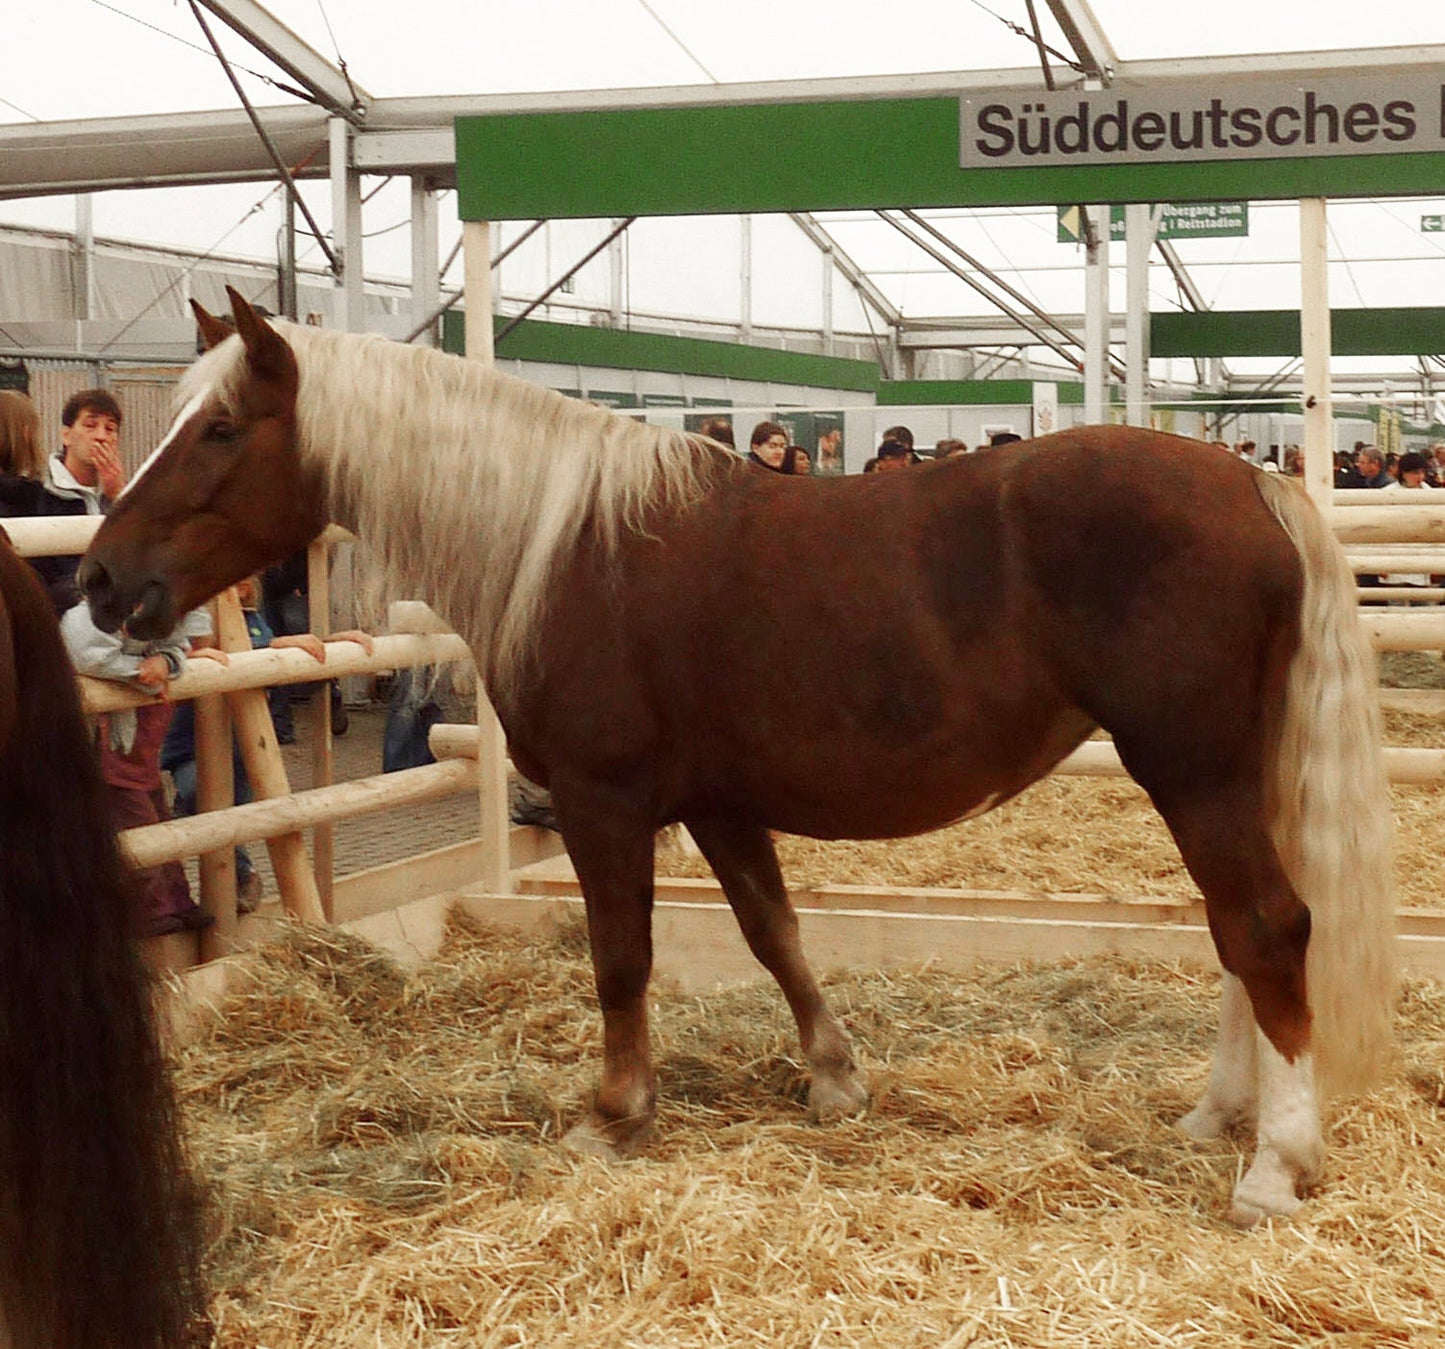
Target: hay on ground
{"x":384,"y":1166}
{"x":383,"y":1159}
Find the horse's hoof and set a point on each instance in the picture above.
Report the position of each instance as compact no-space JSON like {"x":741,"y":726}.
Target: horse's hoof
{"x":1204,"y":1122}
{"x":1268,"y":1190}
{"x":832,"y":1098}
{"x":586,"y":1141}
{"x":1209,"y":1119}
{"x":1246,"y":1211}
{"x":612,"y":1141}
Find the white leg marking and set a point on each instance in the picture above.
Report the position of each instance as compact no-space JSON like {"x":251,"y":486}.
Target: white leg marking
{"x":1290,"y":1148}
{"x":1231,"y":1095}
{"x":185,"y":414}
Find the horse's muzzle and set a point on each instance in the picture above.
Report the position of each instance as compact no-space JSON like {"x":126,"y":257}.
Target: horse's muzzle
{"x":146,"y":612}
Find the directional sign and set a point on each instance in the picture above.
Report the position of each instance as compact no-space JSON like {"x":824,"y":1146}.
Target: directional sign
{"x":1189,"y":220}
{"x":1433,"y":224}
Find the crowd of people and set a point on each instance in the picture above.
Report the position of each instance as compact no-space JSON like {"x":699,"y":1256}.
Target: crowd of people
{"x":1366,"y":466}
{"x":769,"y":447}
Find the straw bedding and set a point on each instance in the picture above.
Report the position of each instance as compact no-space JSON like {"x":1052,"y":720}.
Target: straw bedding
{"x":381,"y":1147}
{"x":384,"y":1167}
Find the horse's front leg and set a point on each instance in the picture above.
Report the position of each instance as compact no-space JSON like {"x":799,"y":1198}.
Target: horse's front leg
{"x":746,"y":864}
{"x":613,"y":859}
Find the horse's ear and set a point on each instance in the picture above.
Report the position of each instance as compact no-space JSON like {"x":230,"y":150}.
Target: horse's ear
{"x":214,"y":331}
{"x":266,"y":350}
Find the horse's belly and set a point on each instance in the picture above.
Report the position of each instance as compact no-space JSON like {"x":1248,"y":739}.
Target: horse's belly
{"x":868,"y":799}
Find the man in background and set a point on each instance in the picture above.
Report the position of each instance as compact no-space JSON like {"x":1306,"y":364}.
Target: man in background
{"x":83,"y":478}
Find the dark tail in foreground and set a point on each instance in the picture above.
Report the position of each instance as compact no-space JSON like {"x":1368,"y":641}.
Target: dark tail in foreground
{"x":99,"y":1239}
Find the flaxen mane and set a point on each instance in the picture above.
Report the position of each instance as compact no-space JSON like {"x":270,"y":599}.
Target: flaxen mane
{"x":414,"y":442}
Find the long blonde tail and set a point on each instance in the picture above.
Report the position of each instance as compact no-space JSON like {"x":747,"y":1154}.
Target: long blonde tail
{"x":1332,"y":827}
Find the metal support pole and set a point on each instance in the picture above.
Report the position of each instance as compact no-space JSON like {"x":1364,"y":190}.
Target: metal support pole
{"x":618,"y":278}
{"x":346,"y":229}
{"x":492,"y":752}
{"x":1096,"y":316}
{"x":745,"y":280}
{"x":84,"y":274}
{"x":425,"y":280}
{"x":286,"y":294}
{"x":829,"y":339}
{"x":1139,"y":225}
{"x":1319,"y":415}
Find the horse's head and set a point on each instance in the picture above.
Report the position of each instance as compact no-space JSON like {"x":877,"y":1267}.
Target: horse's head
{"x":223,"y":495}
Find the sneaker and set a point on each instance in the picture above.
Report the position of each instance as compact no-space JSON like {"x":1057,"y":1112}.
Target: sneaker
{"x":249,"y":892}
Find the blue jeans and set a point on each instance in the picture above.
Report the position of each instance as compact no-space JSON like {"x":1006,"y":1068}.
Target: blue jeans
{"x":184,"y":777}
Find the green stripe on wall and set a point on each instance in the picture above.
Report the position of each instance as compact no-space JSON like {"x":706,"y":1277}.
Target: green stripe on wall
{"x":838,"y":155}
{"x":1276,"y":332}
{"x":964,"y":392}
{"x":614,"y":349}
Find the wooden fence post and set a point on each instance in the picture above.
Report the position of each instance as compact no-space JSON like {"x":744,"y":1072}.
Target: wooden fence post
{"x":323,"y":837}
{"x":216,"y":790}
{"x":267,"y":771}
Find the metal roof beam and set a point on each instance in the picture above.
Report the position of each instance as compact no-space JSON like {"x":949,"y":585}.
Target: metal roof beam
{"x":857,"y":277}
{"x":1182,"y":279}
{"x":988,"y":331}
{"x":328,"y":85}
{"x":406,"y":135}
{"x":1087,"y":37}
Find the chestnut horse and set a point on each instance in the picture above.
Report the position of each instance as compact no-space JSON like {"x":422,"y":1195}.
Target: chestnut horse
{"x":99,"y":1243}
{"x":645,"y":608}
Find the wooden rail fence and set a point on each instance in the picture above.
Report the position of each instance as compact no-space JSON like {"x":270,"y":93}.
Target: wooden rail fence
{"x":1384,"y":533}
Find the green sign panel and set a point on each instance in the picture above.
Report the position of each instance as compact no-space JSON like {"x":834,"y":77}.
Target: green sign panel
{"x":1433,"y":224}
{"x":1187,"y":220}
{"x":837,"y":155}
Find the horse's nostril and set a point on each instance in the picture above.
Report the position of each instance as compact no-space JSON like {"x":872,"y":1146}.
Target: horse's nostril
{"x":92,"y":578}
{"x":98,"y":588}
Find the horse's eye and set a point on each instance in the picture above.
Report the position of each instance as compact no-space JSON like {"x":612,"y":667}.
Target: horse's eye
{"x":223,"y":431}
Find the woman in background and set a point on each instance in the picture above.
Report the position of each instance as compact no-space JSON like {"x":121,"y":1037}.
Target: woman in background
{"x":22,"y":464}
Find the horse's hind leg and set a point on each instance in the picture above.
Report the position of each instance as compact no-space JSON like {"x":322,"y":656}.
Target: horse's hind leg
{"x":1261,"y":931}
{"x":1232,"y":1095}
{"x":746,"y":865}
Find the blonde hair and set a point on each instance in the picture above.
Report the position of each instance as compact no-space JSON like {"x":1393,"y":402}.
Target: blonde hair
{"x":20,"y":451}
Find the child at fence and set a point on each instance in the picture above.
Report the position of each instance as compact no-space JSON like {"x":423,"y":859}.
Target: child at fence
{"x":178,"y":754}
{"x":130,"y":744}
